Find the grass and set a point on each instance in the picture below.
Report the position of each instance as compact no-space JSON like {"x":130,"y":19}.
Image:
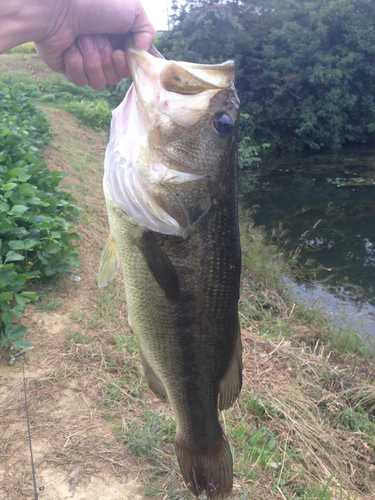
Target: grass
{"x":51,"y":305}
{"x":91,"y":107}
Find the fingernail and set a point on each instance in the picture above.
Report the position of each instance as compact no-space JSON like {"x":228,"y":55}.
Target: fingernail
{"x":100,"y":41}
{"x":87,"y":43}
{"x":119,"y":60}
{"x":73,"y":46}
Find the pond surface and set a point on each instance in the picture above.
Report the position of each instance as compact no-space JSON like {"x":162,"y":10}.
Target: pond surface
{"x":323,"y":205}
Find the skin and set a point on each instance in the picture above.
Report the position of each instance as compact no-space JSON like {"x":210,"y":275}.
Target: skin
{"x":80,"y":38}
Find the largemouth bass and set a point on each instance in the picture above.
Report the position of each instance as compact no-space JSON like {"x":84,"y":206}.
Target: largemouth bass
{"x":170,"y":186}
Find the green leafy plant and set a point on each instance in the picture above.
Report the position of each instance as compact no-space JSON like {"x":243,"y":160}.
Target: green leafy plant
{"x":11,"y":337}
{"x":250,"y":153}
{"x":96,"y":114}
{"x":35,"y":214}
{"x":92,"y":107}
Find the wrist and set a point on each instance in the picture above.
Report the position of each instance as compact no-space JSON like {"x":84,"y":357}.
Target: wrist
{"x":23,"y":21}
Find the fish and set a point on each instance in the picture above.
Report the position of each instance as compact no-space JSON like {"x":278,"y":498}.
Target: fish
{"x":170,"y":187}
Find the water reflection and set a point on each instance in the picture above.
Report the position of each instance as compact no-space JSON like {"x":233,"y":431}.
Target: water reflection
{"x":324,"y":206}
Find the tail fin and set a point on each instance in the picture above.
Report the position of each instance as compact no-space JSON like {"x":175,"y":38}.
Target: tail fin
{"x":212,"y":471}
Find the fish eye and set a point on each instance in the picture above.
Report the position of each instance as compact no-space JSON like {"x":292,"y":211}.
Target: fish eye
{"x":223,"y":123}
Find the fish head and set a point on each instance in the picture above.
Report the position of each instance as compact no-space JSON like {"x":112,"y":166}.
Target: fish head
{"x":172,"y":151}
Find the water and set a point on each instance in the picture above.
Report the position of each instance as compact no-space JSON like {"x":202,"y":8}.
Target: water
{"x":324,"y":206}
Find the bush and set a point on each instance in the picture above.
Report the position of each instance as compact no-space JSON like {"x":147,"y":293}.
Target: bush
{"x":95,"y":114}
{"x":35,"y":215}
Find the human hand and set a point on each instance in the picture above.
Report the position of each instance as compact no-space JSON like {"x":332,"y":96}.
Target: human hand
{"x":83,"y":39}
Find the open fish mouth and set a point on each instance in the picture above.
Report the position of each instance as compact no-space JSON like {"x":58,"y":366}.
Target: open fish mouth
{"x":168,"y":87}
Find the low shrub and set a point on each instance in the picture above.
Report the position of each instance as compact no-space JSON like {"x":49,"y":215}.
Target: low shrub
{"x":96,"y":114}
{"x":35,"y":214}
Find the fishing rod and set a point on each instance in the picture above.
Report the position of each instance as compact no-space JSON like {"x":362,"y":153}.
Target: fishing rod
{"x":36,"y":490}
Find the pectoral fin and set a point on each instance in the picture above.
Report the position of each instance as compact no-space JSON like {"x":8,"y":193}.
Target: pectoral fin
{"x":159,"y":265}
{"x":231,"y":382}
{"x":109,"y":262}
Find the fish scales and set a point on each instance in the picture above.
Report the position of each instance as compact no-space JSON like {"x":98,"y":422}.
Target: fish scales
{"x":182,"y":284}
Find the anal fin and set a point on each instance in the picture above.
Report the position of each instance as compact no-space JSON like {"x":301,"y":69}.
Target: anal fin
{"x":231,"y":383}
{"x":153,"y":381}
{"x":109,"y":262}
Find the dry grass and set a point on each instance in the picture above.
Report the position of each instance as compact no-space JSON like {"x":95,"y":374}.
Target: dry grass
{"x":304,"y":397}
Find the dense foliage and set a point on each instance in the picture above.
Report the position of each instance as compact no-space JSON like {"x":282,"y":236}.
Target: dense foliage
{"x":35,"y":215}
{"x":305,"y":68}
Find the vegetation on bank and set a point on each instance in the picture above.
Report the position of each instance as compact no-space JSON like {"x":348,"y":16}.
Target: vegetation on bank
{"x":25,"y":48}
{"x":304,"y":68}
{"x":35,"y":214}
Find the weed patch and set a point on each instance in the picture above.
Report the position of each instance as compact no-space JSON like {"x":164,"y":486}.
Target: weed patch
{"x":91,"y":107}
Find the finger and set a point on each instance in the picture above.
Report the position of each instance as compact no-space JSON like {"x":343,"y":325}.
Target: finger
{"x":105,"y":50}
{"x":120,"y":64}
{"x":144,"y":40}
{"x":92,"y":63}
{"x":73,"y":63}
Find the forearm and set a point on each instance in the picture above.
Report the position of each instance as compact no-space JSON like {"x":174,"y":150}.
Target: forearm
{"x":80,"y":38}
{"x":23,"y":21}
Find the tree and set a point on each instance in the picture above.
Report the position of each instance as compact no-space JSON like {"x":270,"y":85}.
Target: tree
{"x":305,"y":68}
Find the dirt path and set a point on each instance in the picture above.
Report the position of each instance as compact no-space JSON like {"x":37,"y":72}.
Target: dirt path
{"x":76,"y":453}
